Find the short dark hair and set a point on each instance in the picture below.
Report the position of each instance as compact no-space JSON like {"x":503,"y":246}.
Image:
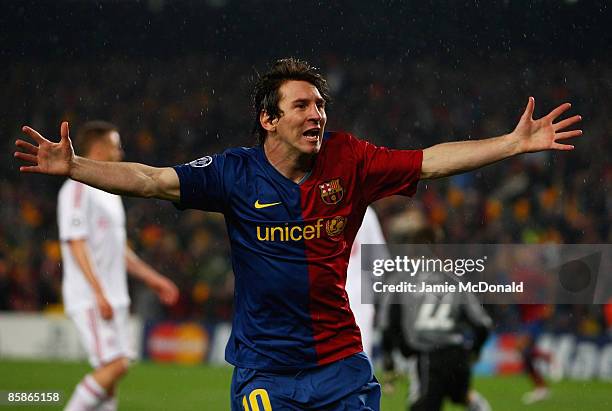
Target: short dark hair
{"x":91,"y":132}
{"x":266,"y":94}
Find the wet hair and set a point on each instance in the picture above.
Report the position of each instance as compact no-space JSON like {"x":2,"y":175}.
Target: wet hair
{"x":91,"y":132}
{"x":266,"y":95}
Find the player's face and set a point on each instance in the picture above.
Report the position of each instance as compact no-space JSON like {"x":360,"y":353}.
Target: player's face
{"x":303,"y":117}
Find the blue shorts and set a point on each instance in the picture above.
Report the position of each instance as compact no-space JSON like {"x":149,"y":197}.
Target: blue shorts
{"x":348,"y":384}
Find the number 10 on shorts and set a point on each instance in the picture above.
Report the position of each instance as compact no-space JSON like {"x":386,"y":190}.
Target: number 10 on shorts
{"x":252,"y":404}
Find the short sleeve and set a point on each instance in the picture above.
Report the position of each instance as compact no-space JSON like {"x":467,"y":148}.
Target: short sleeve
{"x":386,"y":172}
{"x":72,"y":211}
{"x":202,"y":184}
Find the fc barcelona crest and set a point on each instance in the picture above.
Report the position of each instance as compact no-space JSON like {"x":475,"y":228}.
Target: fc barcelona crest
{"x":331,"y":191}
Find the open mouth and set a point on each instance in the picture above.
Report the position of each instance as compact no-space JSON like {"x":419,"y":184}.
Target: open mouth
{"x":313,"y":133}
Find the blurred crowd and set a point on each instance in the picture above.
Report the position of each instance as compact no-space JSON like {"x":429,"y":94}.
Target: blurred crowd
{"x":174,"y":111}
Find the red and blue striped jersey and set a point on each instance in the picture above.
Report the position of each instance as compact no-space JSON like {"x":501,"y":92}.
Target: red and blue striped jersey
{"x":291,"y":244}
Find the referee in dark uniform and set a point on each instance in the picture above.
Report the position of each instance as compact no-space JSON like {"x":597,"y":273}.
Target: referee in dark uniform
{"x":442,"y":333}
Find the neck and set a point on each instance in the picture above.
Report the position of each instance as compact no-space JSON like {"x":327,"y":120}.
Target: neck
{"x":290,"y":163}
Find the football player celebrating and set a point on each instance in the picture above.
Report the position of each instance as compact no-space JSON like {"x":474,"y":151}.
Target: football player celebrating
{"x":293,"y":205}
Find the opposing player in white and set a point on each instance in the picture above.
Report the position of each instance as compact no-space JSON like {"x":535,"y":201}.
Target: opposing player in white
{"x":95,"y":257}
{"x":369,"y":233}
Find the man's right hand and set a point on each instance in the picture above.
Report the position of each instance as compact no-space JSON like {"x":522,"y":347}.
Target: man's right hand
{"x":106,"y":311}
{"x":46,"y":157}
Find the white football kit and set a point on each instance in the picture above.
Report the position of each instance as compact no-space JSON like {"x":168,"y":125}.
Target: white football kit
{"x":87,"y":213}
{"x":369,"y":233}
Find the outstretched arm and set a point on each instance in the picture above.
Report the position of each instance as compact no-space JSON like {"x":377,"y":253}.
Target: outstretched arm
{"x":165,"y":289}
{"x":529,"y":136}
{"x":122,"y":178}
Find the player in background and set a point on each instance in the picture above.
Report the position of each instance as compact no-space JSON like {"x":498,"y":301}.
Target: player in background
{"x":370,"y":232}
{"x":442,"y":334}
{"x":95,"y":257}
{"x":293,"y":205}
{"x":533,"y":318}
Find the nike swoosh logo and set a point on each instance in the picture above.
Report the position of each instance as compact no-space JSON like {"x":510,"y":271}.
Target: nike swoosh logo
{"x":264,"y":205}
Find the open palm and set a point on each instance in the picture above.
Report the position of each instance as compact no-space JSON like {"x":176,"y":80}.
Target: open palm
{"x":544,"y":133}
{"x":46,"y":157}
